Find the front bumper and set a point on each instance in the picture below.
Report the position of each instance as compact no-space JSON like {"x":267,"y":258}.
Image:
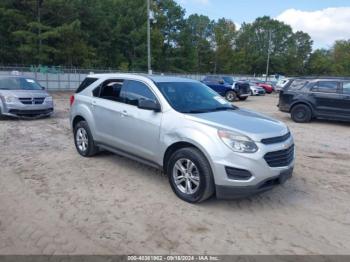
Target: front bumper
{"x":263,"y":175}
{"x":18,"y":109}
{"x":258,"y":92}
{"x":231,"y":192}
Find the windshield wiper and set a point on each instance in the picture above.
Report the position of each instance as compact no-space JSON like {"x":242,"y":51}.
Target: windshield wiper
{"x":223,"y":108}
{"x":198,"y":111}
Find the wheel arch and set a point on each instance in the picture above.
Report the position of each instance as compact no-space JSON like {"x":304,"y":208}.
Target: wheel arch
{"x":182,"y":144}
{"x":302,"y":103}
{"x":77,"y":119}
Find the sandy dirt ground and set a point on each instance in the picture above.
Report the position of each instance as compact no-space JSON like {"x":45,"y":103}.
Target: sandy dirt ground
{"x":52,"y":201}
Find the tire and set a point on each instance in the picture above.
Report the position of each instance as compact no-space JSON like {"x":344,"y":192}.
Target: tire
{"x":243,"y":98}
{"x":230,"y":96}
{"x":301,"y":113}
{"x":82,"y":131}
{"x":197,"y":170}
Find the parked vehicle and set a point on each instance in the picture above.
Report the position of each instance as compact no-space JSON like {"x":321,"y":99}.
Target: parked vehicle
{"x":227,"y":87}
{"x":282,"y":83}
{"x":202,"y":142}
{"x":308,"y":98}
{"x":257,"y":90}
{"x":23,"y":97}
{"x":268,"y":88}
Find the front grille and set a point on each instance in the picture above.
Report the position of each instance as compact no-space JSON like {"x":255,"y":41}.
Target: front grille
{"x":244,"y":88}
{"x":280,"y":158}
{"x":30,"y":112}
{"x":274,"y":140}
{"x":32,"y":101}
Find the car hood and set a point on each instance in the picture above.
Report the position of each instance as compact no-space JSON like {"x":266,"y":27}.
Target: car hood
{"x":24,"y":93}
{"x":254,"y":125}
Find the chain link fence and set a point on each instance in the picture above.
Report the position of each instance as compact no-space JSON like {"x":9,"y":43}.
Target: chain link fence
{"x":56,"y":78}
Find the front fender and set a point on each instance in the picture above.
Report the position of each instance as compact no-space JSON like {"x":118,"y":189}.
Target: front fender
{"x":204,"y":141}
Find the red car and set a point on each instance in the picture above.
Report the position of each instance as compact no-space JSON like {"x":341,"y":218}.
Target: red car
{"x":268,"y":88}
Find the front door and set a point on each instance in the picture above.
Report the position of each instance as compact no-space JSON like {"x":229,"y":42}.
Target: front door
{"x":345,"y":105}
{"x":140,"y":129}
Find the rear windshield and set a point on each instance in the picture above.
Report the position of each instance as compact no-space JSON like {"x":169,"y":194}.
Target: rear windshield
{"x":18,"y":83}
{"x":87,"y":81}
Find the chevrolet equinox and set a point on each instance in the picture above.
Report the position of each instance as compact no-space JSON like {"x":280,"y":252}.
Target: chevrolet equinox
{"x":203,"y":143}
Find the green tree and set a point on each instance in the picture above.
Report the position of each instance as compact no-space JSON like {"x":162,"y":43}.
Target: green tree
{"x":341,"y":57}
{"x":320,"y":63}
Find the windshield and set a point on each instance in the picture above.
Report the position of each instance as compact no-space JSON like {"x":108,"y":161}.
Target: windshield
{"x":228,"y":80}
{"x":192,"y":97}
{"x":18,"y":83}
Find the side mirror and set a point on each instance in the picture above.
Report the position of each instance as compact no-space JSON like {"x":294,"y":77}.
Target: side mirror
{"x":149,"y":105}
{"x":43,"y":87}
{"x":221,"y":82}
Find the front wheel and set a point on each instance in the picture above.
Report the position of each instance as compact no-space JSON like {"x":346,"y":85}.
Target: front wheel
{"x":83,"y":139}
{"x":230,"y":96}
{"x":242,"y":98}
{"x":190,"y":175}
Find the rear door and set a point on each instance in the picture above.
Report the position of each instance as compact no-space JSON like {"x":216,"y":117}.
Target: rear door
{"x":327,"y":98}
{"x":107,"y":108}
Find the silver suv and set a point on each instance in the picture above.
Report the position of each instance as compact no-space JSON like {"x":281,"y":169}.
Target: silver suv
{"x":202,"y":142}
{"x":23,"y":97}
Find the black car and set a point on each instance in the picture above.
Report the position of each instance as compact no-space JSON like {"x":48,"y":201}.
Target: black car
{"x":227,"y":87}
{"x":307,"y":98}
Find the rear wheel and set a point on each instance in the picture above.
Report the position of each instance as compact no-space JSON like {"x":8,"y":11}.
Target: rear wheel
{"x":301,"y":113}
{"x":190,"y":175}
{"x":230,"y":96}
{"x":83,"y":139}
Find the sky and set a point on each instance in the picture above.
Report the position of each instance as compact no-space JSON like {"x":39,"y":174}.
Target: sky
{"x":324,"y":20}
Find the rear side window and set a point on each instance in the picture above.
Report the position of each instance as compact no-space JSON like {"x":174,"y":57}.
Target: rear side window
{"x":110,"y":90}
{"x":326,"y":87}
{"x":346,"y":88}
{"x":133,"y":91}
{"x":87,"y":81}
{"x":297,"y":84}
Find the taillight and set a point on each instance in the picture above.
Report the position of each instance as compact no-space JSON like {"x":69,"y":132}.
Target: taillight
{"x":71,"y":100}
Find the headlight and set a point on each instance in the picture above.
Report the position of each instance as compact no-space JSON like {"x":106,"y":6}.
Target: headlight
{"x":10,"y":99}
{"x":48,"y":99}
{"x":237,"y":142}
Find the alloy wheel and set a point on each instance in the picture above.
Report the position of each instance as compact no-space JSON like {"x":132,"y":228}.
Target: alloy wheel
{"x":82,"y":139}
{"x":186,"y":176}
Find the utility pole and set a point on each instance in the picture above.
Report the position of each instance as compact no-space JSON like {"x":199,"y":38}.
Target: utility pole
{"x":39,"y":4}
{"x":268,"y":55}
{"x":148,"y":39}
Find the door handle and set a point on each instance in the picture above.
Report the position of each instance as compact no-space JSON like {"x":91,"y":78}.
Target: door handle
{"x":124,"y":113}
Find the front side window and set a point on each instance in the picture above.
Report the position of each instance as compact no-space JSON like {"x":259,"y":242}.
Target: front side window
{"x":133,"y":91}
{"x":228,"y":80}
{"x":192,"y":97}
{"x":14,"y":83}
{"x":326,"y":87}
{"x":346,"y":88}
